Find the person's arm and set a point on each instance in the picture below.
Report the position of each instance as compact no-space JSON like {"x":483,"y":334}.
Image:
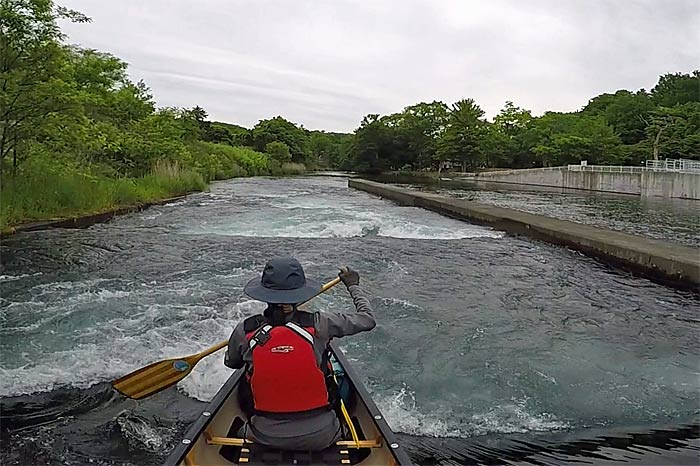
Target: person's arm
{"x":237,"y":345}
{"x":334,"y":324}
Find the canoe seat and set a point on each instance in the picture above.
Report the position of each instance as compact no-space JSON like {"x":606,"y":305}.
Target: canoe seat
{"x":246,"y":452}
{"x":259,"y":455}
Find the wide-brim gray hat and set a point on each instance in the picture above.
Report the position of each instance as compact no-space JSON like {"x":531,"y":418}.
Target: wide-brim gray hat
{"x":282,"y":282}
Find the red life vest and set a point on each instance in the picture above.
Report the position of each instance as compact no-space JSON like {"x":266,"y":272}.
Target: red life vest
{"x":285,"y":376}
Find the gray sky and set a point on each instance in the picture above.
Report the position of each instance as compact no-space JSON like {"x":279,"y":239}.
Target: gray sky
{"x":326,"y":64}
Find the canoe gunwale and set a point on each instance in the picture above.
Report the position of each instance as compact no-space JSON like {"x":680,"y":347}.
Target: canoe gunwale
{"x":197,"y":428}
{"x":360,"y":390}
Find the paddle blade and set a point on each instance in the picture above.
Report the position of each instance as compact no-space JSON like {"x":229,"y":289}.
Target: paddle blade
{"x":154,"y":377}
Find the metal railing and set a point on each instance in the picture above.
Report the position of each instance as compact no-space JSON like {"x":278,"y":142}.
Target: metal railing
{"x":683,"y":166}
{"x":517,"y":170}
{"x":680,"y":165}
{"x":606,"y":168}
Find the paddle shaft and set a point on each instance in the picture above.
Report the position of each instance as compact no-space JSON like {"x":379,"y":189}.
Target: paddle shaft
{"x":223,"y":344}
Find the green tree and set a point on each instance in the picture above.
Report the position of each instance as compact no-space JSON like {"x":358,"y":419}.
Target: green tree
{"x":33,"y":64}
{"x":421,"y":126}
{"x":675,"y":132}
{"x":625,"y":111}
{"x":677,"y":88}
{"x":281,"y":130}
{"x":507,"y":136}
{"x":329,"y":150}
{"x":512,"y":120}
{"x":279,"y":151}
{"x":321,"y":148}
{"x":462,"y":140}
{"x":371,"y":149}
{"x":227,"y":133}
{"x":564,"y":138}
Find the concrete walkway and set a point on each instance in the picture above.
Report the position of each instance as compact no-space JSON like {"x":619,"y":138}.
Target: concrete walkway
{"x":667,"y":263}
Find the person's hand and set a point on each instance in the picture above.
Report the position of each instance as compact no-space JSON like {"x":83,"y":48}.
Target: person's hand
{"x":349,"y":276}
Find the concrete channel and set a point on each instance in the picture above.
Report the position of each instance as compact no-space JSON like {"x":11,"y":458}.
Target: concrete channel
{"x":667,"y":263}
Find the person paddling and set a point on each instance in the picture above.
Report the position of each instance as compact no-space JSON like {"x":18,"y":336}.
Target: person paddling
{"x":283,"y":350}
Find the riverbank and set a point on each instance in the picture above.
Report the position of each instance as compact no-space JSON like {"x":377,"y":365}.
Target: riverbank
{"x":670,"y":264}
{"x":42,"y":199}
{"x":85,"y":221}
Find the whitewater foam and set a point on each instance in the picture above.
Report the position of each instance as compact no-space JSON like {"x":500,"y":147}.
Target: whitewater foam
{"x":140,"y":434}
{"x":514,"y":418}
{"x":125,"y":343}
{"x":344,"y":222}
{"x":176,"y":203}
{"x":403,"y":415}
{"x":11,"y":278}
{"x":399,"y":410}
{"x":400,"y":303}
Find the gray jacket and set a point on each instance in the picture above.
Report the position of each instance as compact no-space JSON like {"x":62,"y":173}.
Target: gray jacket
{"x":319,"y":430}
{"x":327,"y":325}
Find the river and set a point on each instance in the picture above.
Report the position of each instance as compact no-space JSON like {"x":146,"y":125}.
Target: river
{"x":487,"y":346}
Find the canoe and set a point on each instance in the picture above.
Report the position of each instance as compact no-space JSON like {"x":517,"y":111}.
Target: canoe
{"x":212,"y":438}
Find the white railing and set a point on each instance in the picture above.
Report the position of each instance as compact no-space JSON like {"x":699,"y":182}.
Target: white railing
{"x":606,"y":168}
{"x":684,"y":166}
{"x":681,"y":165}
{"x":517,"y":170}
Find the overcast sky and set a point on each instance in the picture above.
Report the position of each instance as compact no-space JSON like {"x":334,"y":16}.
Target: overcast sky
{"x":326,"y":64}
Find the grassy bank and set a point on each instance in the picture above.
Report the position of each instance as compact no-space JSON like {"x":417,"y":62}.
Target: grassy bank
{"x":46,"y":190}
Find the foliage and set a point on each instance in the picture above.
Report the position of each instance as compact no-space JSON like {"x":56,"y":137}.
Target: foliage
{"x":219,"y":161}
{"x":278,"y":129}
{"x":328,"y":150}
{"x":675,"y":131}
{"x":34,"y":71}
{"x":463,"y":139}
{"x":278,"y":151}
{"x":77,"y":136}
{"x":626,"y":112}
{"x":621,"y":128}
{"x":508,"y":134}
{"x":372,"y":146}
{"x":677,"y":89}
{"x":563,"y":138}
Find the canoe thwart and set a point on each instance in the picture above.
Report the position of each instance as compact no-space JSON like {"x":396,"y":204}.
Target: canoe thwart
{"x":239,"y":442}
{"x":372,"y":443}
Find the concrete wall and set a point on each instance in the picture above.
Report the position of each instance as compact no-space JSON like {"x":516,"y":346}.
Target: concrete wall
{"x":647,"y":183}
{"x":625,"y":183}
{"x":664,"y":262}
{"x":535,"y":177}
{"x":670,"y":184}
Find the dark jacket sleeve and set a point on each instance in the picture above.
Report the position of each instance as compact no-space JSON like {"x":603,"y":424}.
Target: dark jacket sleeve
{"x":335,"y":324}
{"x":237,"y":346}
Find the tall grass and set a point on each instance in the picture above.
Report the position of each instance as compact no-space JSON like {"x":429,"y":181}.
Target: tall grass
{"x":45,"y":189}
{"x":293,"y":169}
{"x":220,"y":161}
{"x":40,"y":194}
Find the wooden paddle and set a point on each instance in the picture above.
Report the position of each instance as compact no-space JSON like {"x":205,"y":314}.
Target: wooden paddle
{"x":160,"y":375}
